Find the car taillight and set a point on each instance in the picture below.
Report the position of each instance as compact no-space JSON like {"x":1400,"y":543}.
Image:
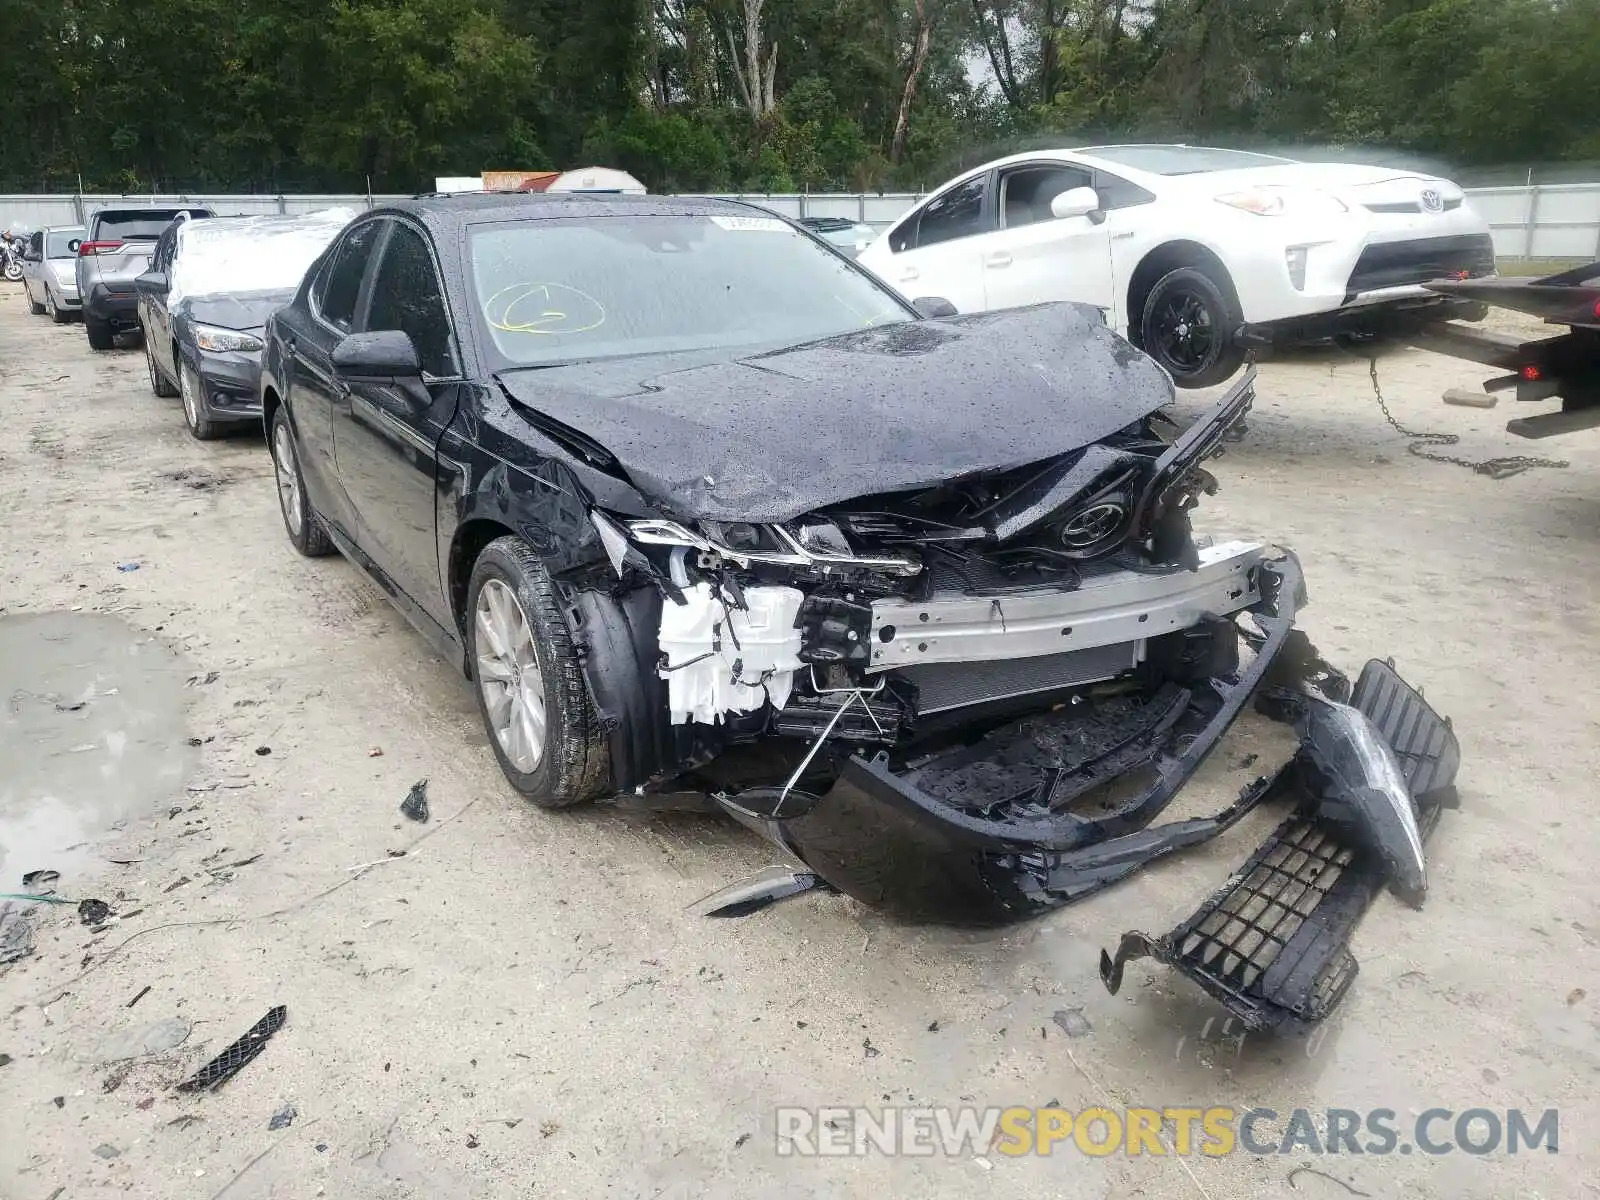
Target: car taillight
{"x":1532,"y":373}
{"x":86,"y":249}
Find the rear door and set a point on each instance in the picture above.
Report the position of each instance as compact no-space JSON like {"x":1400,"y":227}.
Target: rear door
{"x":1036,"y":256}
{"x":386,"y":435}
{"x":933,"y":251}
{"x":334,"y":298}
{"x":154,"y":317}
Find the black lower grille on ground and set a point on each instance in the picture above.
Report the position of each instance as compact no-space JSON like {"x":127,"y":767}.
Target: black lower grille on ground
{"x":1396,"y":264}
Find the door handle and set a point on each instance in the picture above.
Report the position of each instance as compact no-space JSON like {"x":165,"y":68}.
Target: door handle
{"x":909,"y":274}
{"x":999,"y":259}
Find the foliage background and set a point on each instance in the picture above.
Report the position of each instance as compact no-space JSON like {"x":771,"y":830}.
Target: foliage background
{"x":776,"y":95}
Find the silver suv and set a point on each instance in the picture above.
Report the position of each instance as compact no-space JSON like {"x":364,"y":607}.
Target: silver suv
{"x":114,"y":254}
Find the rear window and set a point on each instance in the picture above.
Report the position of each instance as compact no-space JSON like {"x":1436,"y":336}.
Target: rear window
{"x":144,"y":224}
{"x":60,"y":243}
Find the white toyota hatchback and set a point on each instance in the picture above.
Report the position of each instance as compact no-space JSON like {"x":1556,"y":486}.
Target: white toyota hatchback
{"x":1192,"y":253}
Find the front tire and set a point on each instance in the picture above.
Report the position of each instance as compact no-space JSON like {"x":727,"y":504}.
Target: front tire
{"x":200,"y":426}
{"x":535,"y":705}
{"x":159,"y":383}
{"x":1188,"y":327}
{"x":300,"y":521}
{"x":99,"y":333}
{"x":34,"y":306}
{"x":57,"y":314}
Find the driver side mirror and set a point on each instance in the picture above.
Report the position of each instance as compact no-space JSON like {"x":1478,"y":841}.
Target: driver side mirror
{"x":152,"y":281}
{"x":381,"y":355}
{"x":1076,"y":202}
{"x":931,"y":308}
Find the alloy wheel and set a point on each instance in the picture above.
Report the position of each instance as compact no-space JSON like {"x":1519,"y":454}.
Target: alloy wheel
{"x":287,"y":471}
{"x":509,"y":676}
{"x":1185,"y":330}
{"x":186,"y":386}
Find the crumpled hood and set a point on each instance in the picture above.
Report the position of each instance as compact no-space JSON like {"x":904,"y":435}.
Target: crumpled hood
{"x":772,"y":435}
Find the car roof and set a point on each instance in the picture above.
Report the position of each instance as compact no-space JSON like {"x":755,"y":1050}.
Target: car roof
{"x":473,"y":208}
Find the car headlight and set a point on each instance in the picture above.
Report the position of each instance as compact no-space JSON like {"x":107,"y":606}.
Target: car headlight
{"x":209,"y":337}
{"x":1283,"y":202}
{"x":813,"y":544}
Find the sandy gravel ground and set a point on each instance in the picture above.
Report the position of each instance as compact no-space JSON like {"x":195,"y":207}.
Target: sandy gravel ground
{"x":525,"y":1004}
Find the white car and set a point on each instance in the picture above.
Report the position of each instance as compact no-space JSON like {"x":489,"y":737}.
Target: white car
{"x":1192,"y":253}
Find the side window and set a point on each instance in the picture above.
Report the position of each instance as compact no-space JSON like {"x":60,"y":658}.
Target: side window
{"x":339,"y":286}
{"x":1026,"y":192}
{"x":1119,"y":193}
{"x":957,"y":213}
{"x":406,"y":296}
{"x":904,"y":235}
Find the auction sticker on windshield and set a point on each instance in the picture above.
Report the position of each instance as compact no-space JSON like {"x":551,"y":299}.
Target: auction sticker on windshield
{"x":749,"y":224}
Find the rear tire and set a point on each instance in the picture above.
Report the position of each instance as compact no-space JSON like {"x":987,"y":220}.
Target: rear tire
{"x":301,"y":522}
{"x":159,"y":383}
{"x":201,"y":427}
{"x":1188,"y":327}
{"x":99,"y":333}
{"x":570,"y":763}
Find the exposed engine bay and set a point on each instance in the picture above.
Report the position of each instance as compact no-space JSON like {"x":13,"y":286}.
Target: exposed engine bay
{"x":924,"y":696}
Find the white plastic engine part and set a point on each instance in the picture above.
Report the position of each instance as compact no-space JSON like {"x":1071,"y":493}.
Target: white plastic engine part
{"x":722,"y":659}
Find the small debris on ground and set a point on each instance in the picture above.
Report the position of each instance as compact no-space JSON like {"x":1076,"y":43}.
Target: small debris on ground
{"x":75,"y":706}
{"x":549,"y":1128}
{"x":175,"y":885}
{"x":184,"y":1121}
{"x":143,"y":992}
{"x":472,"y":1141}
{"x":415,"y":805}
{"x":375,"y":752}
{"x":16,"y":933}
{"x":244,"y":1051}
{"x":106,"y":1150}
{"x":740,"y":1140}
{"x":201,"y":681}
{"x":93,"y":912}
{"x":263,"y":751}
{"x":41,"y":881}
{"x":1575,"y":995}
{"x":283,"y":1118}
{"x":870,"y":1050}
{"x":59,"y":1101}
{"x":322,"y":1147}
{"x":155,"y":1038}
{"x":5,"y":1060}
{"x":146,"y":1104}
{"x":933,"y":1027}
{"x":1072,"y":1022}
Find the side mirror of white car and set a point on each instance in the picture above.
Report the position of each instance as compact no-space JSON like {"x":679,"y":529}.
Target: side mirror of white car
{"x":1075,"y":202}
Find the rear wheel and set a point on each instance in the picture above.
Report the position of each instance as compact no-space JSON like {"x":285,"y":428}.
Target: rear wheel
{"x":99,"y":333}
{"x":1188,"y":327}
{"x":159,"y":383}
{"x":194,"y":407}
{"x":542,"y":725}
{"x":300,"y":520}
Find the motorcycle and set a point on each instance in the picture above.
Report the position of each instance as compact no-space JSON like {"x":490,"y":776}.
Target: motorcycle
{"x":12,"y":252}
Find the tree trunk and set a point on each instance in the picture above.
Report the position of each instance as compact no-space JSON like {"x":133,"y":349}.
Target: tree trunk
{"x":919,"y":59}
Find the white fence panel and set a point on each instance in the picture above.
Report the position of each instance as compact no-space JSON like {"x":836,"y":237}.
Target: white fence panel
{"x":1542,"y":221}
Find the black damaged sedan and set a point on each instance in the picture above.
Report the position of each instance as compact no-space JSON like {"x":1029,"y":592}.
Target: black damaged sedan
{"x":709,"y":514}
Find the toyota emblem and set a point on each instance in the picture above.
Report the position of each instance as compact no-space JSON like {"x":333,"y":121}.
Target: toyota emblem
{"x":1094,"y":524}
{"x":1432,"y":201}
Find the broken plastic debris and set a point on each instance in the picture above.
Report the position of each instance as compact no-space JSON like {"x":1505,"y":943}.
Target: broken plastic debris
{"x":227,"y":1064}
{"x":41,"y":881}
{"x":16,"y":933}
{"x":126,"y":567}
{"x":415,"y":805}
{"x":283,"y":1118}
{"x":766,"y":888}
{"x":1072,"y":1022}
{"x":93,"y":912}
{"x":106,"y":1150}
{"x":263,"y":751}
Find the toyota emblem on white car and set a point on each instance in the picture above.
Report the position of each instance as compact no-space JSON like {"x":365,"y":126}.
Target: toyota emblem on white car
{"x":1432,"y":201}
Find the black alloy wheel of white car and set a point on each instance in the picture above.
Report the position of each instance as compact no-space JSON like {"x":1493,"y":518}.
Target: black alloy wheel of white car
{"x":1188,"y":327}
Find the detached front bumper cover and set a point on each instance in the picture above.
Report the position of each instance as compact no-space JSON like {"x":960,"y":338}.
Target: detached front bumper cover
{"x":1371,"y":778}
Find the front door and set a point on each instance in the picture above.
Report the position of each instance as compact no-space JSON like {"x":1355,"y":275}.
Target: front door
{"x":386,"y":435}
{"x":1036,"y":256}
{"x":313,"y":389}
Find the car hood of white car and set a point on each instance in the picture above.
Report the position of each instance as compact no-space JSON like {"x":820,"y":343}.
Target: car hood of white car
{"x":1337,"y":179}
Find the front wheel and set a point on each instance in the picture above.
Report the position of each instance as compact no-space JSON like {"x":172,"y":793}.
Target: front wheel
{"x":159,"y":383}
{"x":542,"y":725}
{"x":300,"y":520}
{"x":1188,"y":327}
{"x":57,"y":314}
{"x":194,"y":407}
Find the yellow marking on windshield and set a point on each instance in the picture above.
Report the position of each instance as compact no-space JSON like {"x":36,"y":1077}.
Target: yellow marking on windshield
{"x":557,"y":312}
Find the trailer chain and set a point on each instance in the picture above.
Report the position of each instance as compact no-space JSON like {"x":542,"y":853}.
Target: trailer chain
{"x":1494,"y":468}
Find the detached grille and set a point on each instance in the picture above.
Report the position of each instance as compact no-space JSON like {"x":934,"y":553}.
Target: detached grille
{"x":1396,"y":264}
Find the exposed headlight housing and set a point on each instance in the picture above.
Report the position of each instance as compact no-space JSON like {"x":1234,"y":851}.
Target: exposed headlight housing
{"x":1283,"y":202}
{"x":210,"y":337}
{"x":817,"y":544}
